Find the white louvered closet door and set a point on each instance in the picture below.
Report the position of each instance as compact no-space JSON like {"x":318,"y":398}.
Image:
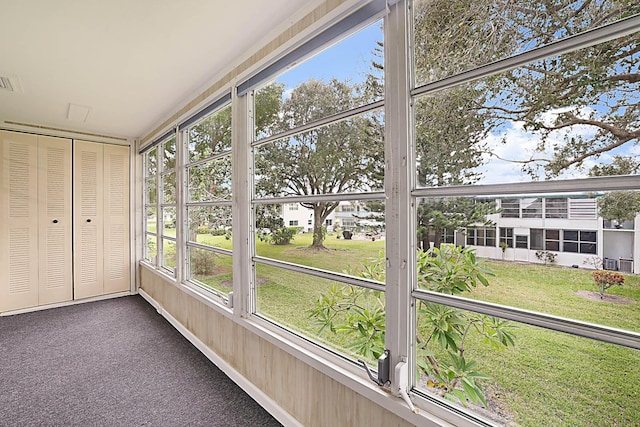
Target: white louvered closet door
{"x":18,"y":221}
{"x":54,"y":213}
{"x":116,"y":219}
{"x":88,"y":216}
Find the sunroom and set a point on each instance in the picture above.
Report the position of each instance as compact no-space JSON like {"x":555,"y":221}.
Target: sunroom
{"x":383,"y":212}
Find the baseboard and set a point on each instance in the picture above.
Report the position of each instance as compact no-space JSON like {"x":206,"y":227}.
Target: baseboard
{"x":258,"y":395}
{"x":67,"y":303}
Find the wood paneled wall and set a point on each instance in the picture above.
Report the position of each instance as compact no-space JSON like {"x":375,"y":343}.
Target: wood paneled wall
{"x":309,"y":395}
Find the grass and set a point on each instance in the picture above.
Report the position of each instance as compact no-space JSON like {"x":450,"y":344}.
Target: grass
{"x":548,"y":378}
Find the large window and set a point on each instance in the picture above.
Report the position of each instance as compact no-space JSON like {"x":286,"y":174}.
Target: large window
{"x":481,"y":237}
{"x":160,"y":194}
{"x":579,"y":241}
{"x":150,"y":191}
{"x":208,"y":204}
{"x":319,"y":148}
{"x":351,"y":204}
{"x":168,"y":212}
{"x":506,"y":237}
{"x":510,"y":100}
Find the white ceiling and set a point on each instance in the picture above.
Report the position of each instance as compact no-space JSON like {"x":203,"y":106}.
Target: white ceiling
{"x":131,"y":62}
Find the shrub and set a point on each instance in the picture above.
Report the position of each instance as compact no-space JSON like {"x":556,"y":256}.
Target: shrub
{"x":203,"y":262}
{"x":605,"y":279}
{"x":442,"y":331}
{"x":546,"y":257}
{"x":218,"y":232}
{"x":282,"y":236}
{"x":203,"y":229}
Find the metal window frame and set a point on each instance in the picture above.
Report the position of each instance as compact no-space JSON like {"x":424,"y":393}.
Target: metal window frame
{"x":572,"y":186}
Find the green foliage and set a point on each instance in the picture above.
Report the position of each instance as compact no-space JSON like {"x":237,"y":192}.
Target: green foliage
{"x":218,"y":232}
{"x":203,"y":262}
{"x":619,"y":205}
{"x":203,"y":229}
{"x":438,"y":214}
{"x":355,"y":311}
{"x":450,"y":270}
{"x":441,"y":331}
{"x":594,"y":88}
{"x":345,"y":156}
{"x":282,"y":236}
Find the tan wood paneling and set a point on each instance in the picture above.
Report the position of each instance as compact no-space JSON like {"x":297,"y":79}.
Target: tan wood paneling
{"x":54,"y":217}
{"x":309,"y":395}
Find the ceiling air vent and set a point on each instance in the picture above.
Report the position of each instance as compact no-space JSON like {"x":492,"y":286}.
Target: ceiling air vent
{"x":10,"y":83}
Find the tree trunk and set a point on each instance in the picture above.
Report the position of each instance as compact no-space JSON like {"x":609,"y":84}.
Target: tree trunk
{"x":318,"y":222}
{"x":437,"y":237}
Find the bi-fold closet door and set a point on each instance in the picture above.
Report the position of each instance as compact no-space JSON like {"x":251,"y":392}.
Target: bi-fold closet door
{"x":35,"y":221}
{"x":101,"y":219}
{"x":47,"y":255}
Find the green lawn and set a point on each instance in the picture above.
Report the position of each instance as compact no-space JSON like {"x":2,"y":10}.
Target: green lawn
{"x":548,"y":378}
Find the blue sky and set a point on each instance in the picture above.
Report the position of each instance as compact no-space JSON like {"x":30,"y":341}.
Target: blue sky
{"x":348,"y":59}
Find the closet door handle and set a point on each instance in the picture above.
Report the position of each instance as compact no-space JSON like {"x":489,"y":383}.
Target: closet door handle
{"x":88,"y":219}
{"x":55,"y":221}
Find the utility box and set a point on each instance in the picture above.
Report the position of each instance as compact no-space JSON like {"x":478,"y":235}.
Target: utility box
{"x":610,"y":264}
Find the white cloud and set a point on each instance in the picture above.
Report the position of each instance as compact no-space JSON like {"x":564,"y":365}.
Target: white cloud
{"x":520,"y":144}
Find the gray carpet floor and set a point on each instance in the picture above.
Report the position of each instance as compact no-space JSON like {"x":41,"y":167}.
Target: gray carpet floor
{"x":112,"y":363}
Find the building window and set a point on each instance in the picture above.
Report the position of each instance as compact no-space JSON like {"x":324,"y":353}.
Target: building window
{"x":588,"y":240}
{"x":556,"y":208}
{"x":586,"y":208}
{"x":531,"y":208}
{"x":481,"y":237}
{"x":293,"y":223}
{"x":536,"y":237}
{"x":522,"y":242}
{"x":167,"y":202}
{"x":348,"y":223}
{"x":506,"y":236}
{"x":579,"y":241}
{"x":150,"y":162}
{"x":208,"y":206}
{"x":456,"y":118}
{"x":510,"y":208}
{"x":321,"y":136}
{"x":552,"y":240}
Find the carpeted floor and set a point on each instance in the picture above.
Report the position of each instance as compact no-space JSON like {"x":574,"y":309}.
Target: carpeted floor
{"x":112,"y":363}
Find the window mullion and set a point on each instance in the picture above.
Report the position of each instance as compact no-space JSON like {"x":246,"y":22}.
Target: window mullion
{"x":400,"y":242}
{"x":182,"y":257}
{"x":241,"y":183}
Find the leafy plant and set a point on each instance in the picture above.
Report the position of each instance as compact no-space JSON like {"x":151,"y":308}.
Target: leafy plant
{"x":605,"y":279}
{"x":202,"y":262}
{"x":282,"y":235}
{"x":442,"y":331}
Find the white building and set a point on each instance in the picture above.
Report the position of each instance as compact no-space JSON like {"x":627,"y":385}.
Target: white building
{"x":569,"y":228}
{"x":347,"y":216}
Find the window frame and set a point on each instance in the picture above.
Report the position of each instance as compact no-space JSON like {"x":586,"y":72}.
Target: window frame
{"x":401,"y":191}
{"x":217,"y":107}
